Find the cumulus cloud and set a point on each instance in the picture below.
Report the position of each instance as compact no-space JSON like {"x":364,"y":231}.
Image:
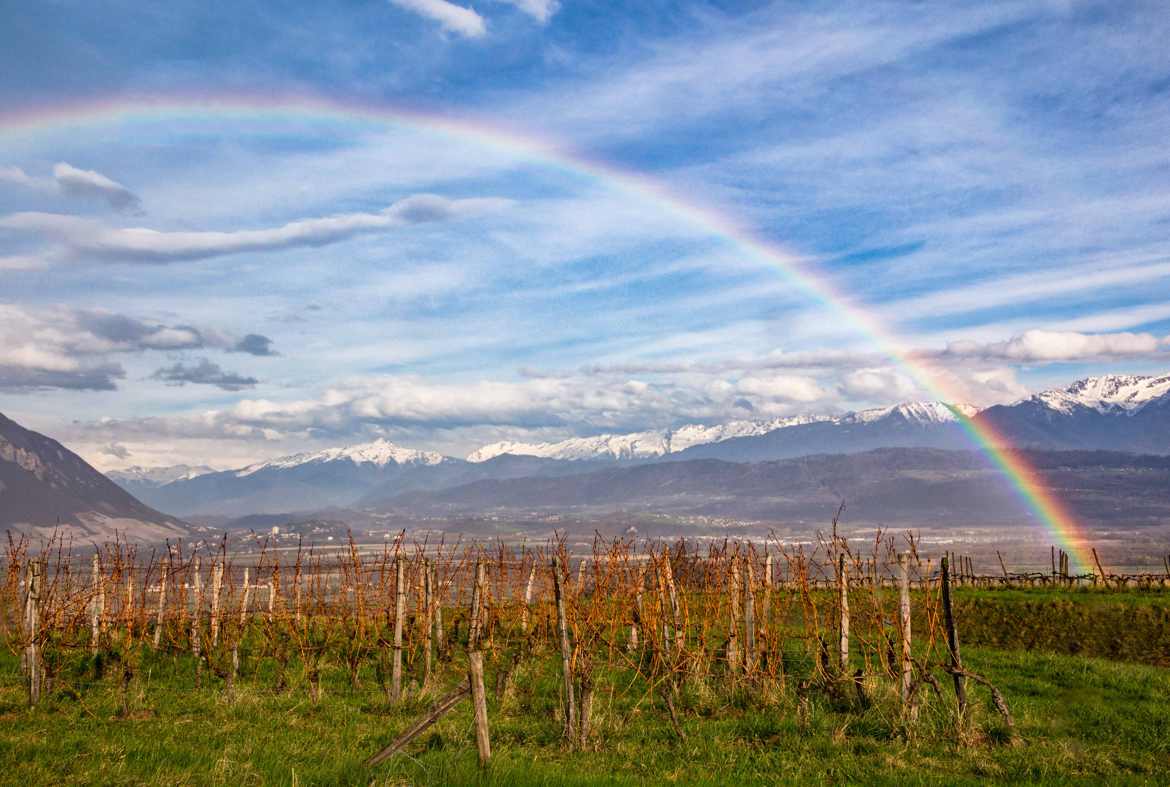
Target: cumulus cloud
{"x":155,"y":246}
{"x":540,"y":10}
{"x":451,"y":17}
{"x":62,"y":347}
{"x":783,"y":387}
{"x":204,"y":372}
{"x":877,"y":384}
{"x":1046,"y":346}
{"x":87,"y":183}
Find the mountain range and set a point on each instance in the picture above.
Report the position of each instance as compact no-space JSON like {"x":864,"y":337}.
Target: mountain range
{"x":1109,"y":413}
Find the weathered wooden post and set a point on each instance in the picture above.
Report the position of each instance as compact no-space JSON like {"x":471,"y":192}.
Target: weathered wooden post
{"x":32,"y":623}
{"x":475,"y":666}
{"x":904,"y":625}
{"x":437,"y":617}
{"x":733,"y":621}
{"x":195,"y":622}
{"x":566,"y":650}
{"x":399,"y":614}
{"x":639,"y":589}
{"x":953,"y":640}
{"x":843,"y":609}
{"x":680,"y":634}
{"x":98,"y":605}
{"x":428,"y":608}
{"x":216,"y":586}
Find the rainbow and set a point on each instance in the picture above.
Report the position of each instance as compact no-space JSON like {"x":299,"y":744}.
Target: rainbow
{"x":1062,"y":526}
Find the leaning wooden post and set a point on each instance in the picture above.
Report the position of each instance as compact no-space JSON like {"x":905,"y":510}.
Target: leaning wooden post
{"x":98,"y":606}
{"x":32,"y":618}
{"x":904,"y":625}
{"x":953,"y":640}
{"x":843,"y":608}
{"x":680,"y":632}
{"x":162,"y":602}
{"x":566,"y":650}
{"x":399,"y":614}
{"x":475,"y":667}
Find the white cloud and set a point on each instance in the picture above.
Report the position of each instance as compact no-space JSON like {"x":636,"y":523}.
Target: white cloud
{"x":452,"y":18}
{"x":62,"y":347}
{"x":540,"y":10}
{"x":877,"y":385}
{"x":789,"y":388}
{"x":148,"y":245}
{"x":1046,"y":346}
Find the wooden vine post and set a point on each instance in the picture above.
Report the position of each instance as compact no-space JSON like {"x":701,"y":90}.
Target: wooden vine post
{"x":97,"y":608}
{"x":475,"y":666}
{"x":843,"y":609}
{"x":399,"y":614}
{"x":907,"y":665}
{"x":32,"y":622}
{"x":953,"y":639}
{"x":162,"y":602}
{"x":566,"y":650}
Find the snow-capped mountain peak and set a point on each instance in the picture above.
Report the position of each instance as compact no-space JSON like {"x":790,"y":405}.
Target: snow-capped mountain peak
{"x":915,"y":412}
{"x":637,"y":445}
{"x":1107,"y":393}
{"x":380,"y":452}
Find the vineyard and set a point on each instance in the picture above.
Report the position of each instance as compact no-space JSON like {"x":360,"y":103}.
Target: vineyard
{"x":425,"y":662}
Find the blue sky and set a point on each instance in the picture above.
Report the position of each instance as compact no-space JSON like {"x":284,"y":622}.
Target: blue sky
{"x":990,"y":181}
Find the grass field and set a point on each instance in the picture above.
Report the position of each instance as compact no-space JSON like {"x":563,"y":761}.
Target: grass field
{"x":1077,"y":718}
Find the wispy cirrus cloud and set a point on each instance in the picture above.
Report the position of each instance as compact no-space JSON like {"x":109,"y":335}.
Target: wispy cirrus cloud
{"x":141,"y":244}
{"x":72,"y":181}
{"x":453,"y":18}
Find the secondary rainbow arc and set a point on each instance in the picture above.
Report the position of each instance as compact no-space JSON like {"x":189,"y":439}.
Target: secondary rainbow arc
{"x":1028,"y":483}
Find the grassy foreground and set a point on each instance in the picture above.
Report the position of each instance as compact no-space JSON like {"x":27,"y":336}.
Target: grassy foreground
{"x":1078,"y":719}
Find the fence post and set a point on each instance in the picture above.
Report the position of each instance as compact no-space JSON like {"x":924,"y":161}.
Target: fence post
{"x":733,"y":623}
{"x":427,"y":618}
{"x":195,"y":622}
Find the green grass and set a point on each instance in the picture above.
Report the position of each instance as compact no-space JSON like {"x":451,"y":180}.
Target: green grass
{"x":1079,"y":719}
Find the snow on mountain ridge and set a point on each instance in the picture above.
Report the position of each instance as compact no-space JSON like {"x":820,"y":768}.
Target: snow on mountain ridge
{"x":648,"y":445}
{"x":1107,"y":393}
{"x":380,"y":452}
